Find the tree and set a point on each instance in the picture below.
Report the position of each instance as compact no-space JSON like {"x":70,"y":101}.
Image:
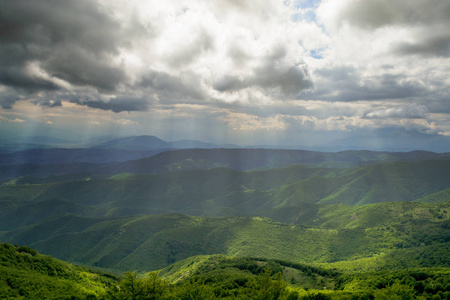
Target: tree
{"x":270,"y":289}
{"x":395,"y":291}
{"x":132,"y":287}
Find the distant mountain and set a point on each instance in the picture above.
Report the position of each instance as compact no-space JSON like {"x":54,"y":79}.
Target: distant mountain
{"x":33,"y":142}
{"x":398,"y":140}
{"x":106,"y":161}
{"x":251,"y":159}
{"x":43,"y":150}
{"x":116,"y":150}
{"x":147,"y":142}
{"x":143,"y":142}
{"x":72,"y":155}
{"x":39,"y":139}
{"x":186,"y":144}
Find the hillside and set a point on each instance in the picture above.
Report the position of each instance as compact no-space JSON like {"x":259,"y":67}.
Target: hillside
{"x":373,"y":237}
{"x":26,"y":274}
{"x":228,"y":277}
{"x":356,"y":222}
{"x":277,"y":193}
{"x":111,"y":161}
{"x":251,"y":159}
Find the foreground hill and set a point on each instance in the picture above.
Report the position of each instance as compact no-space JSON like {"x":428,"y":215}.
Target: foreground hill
{"x":382,"y":236}
{"x":230,"y":277}
{"x":25,"y":274}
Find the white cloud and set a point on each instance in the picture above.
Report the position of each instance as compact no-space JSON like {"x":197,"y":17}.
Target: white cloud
{"x":244,"y":122}
{"x":126,"y":122}
{"x":16,"y":120}
{"x":408,"y":111}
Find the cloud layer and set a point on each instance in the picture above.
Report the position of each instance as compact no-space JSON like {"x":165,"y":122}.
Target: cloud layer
{"x":139,"y":52}
{"x":281,"y":66}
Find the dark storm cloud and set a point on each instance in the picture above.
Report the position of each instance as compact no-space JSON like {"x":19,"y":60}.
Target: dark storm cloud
{"x":428,"y":46}
{"x":116,"y":104}
{"x":289,"y":81}
{"x":53,"y":48}
{"x":84,"y":68}
{"x":273,"y":73}
{"x":8,"y":98}
{"x":52,"y":22}
{"x":47,"y":102}
{"x":21,"y":79}
{"x":377,"y":13}
{"x":439,"y":102}
{"x":68,"y":40}
{"x":229,"y":84}
{"x":172,"y":89}
{"x":346,"y":84}
{"x":430,"y":20}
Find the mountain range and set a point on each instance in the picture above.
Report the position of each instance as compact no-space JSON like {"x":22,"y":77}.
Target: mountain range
{"x":139,"y":204}
{"x":154,"y":160}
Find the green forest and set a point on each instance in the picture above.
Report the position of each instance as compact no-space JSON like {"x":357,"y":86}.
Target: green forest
{"x":26,"y":274}
{"x":351,"y":225}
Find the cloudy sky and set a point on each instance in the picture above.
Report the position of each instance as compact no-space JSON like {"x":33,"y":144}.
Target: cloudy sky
{"x":305,"y":72}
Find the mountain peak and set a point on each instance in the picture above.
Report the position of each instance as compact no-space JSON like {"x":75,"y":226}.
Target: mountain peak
{"x":142,"y":142}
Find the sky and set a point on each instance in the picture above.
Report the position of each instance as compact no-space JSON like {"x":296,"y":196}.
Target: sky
{"x":343,"y":73}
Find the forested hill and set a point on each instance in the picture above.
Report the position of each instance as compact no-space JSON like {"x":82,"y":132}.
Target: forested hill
{"x":251,"y":159}
{"x":25,"y":274}
{"x":373,"y":237}
{"x":106,"y":161}
{"x":360,"y":216}
{"x":278,"y":193}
